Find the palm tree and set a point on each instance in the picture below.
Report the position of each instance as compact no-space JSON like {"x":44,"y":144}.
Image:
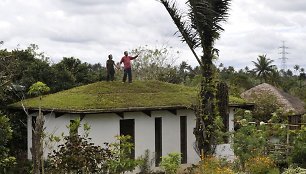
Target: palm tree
{"x":200,"y":30}
{"x":263,"y":67}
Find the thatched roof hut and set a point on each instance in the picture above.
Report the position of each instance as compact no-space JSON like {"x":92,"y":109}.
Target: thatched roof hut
{"x":287,"y":101}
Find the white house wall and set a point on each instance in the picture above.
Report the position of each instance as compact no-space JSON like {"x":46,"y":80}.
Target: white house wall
{"x":170,"y":132}
{"x":104,"y":128}
{"x":192,"y":156}
{"x":144,"y":132}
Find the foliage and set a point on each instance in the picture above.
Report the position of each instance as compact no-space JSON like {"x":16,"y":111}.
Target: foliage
{"x":263,"y":67}
{"x":103,"y":95}
{"x":38,"y":88}
{"x":200,"y":29}
{"x":6,"y":161}
{"x":260,"y":164}
{"x":211,"y":165}
{"x":145,"y":163}
{"x":298,"y":153}
{"x":79,"y":155}
{"x":236,"y":100}
{"x":153,"y":62}
{"x":248,"y":141}
{"x":265,"y":105}
{"x":18,"y":143}
{"x":171,"y":163}
{"x":25,"y":67}
{"x":71,"y":72}
{"x":158,"y":64}
{"x":122,"y":160}
{"x":294,"y":170}
{"x":22,"y":68}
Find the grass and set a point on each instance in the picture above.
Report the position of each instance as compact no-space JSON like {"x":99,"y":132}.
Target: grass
{"x":109,"y":95}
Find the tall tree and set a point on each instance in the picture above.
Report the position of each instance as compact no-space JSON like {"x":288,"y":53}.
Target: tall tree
{"x":6,"y":134}
{"x":38,"y":89}
{"x":200,"y":30}
{"x":263,"y":67}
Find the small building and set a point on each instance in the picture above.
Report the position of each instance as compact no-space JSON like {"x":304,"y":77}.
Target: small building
{"x":157,"y":115}
{"x":290,"y":104}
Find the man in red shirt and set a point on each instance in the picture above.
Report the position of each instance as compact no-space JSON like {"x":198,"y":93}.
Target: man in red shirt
{"x":126,"y":60}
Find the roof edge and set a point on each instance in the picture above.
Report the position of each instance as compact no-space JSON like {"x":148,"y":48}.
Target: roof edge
{"x":129,"y":109}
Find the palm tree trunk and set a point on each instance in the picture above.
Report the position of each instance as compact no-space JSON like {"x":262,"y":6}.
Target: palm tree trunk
{"x":205,"y":116}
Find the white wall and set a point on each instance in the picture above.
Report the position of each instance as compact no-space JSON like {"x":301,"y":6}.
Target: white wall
{"x":144,"y":132}
{"x":104,"y":128}
{"x":192,"y":156}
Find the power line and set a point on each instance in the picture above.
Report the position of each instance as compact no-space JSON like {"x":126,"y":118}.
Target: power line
{"x":283,"y":58}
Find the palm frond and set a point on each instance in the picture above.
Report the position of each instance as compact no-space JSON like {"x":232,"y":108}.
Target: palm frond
{"x":186,"y":30}
{"x":207,"y":15}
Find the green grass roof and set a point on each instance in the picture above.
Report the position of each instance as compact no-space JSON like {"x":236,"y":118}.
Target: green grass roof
{"x":112,"y":95}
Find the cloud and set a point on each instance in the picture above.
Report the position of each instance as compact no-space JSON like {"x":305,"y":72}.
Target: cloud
{"x":286,"y":6}
{"x":92,"y":29}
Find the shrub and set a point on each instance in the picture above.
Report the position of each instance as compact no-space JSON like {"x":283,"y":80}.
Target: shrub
{"x":294,"y":170}
{"x":260,"y":164}
{"x":213,"y":165}
{"x":248,"y":141}
{"x":79,"y":155}
{"x":265,"y":105}
{"x":171,"y":163}
{"x":121,"y":160}
{"x":299,"y":151}
{"x":6,"y":161}
{"x":145,"y":163}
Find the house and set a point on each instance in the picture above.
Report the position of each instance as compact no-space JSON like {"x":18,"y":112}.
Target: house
{"x":290,"y":104}
{"x":157,"y":115}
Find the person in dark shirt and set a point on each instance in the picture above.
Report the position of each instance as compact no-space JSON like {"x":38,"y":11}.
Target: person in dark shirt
{"x":126,"y":60}
{"x":110,"y":68}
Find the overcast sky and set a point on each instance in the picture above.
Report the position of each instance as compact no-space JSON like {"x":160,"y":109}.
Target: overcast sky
{"x":92,"y":29}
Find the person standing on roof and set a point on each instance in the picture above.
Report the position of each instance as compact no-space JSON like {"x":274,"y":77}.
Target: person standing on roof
{"x":126,"y":60}
{"x":110,"y":70}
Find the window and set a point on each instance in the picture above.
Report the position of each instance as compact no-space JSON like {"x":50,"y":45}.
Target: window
{"x":127,"y":127}
{"x":158,"y":140}
{"x":294,"y":122}
{"x":183,"y":131}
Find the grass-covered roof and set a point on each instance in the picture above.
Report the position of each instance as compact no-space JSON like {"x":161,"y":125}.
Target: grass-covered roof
{"x":116,"y":95}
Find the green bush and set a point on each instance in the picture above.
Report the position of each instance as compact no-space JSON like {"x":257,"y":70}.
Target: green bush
{"x":248,"y":141}
{"x":212,"y":165}
{"x":260,"y":165}
{"x":79,"y":155}
{"x":298,"y":154}
{"x":6,"y":161}
{"x":121,"y":160}
{"x":145,"y":163}
{"x":171,"y":163}
{"x":294,"y":170}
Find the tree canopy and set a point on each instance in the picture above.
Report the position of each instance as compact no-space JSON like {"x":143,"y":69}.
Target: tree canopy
{"x":200,"y":30}
{"x":264,"y":68}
